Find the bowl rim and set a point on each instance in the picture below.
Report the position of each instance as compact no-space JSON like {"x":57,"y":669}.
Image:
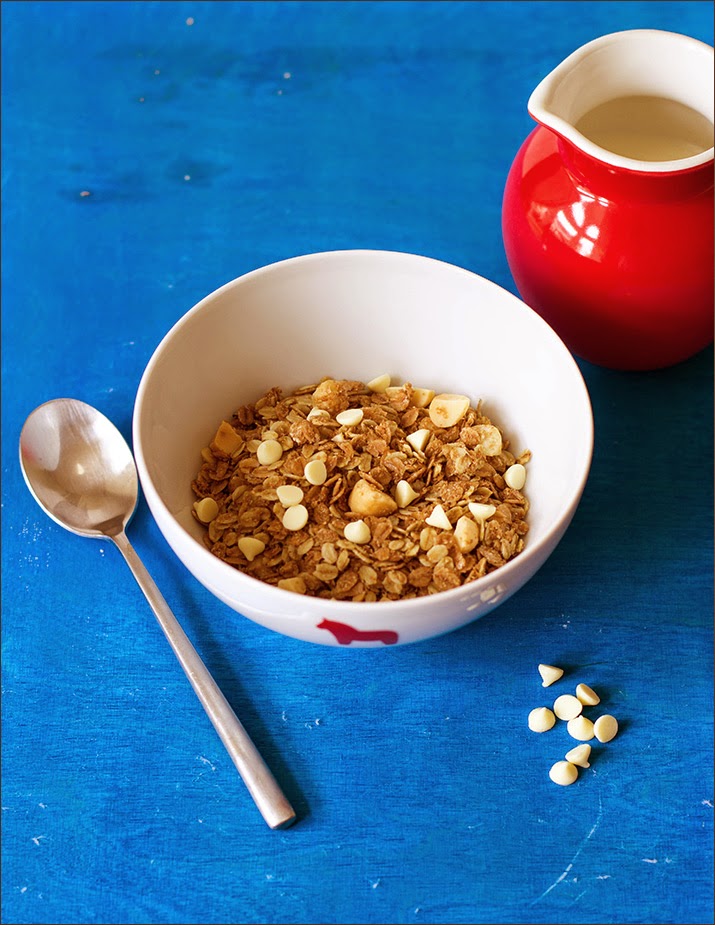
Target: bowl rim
{"x":224,"y":569}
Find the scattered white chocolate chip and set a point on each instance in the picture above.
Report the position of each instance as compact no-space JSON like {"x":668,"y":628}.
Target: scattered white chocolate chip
{"x":563,"y":773}
{"x":404,"y":493}
{"x":317,"y":413}
{"x":350,"y":418}
{"x":581,"y":728}
{"x":366,"y":499}
{"x":419,"y":439}
{"x":295,"y":517}
{"x":292,"y":584}
{"x":481,"y":512}
{"x":605,"y":728}
{"x":567,"y":706}
{"x":438,"y":518}
{"x":268,"y":452}
{"x":466,"y":534}
{"x":288,"y":495}
{"x":251,"y":547}
{"x":446,"y":409}
{"x":315,"y":472}
{"x":515,"y":476}
{"x":357,"y":531}
{"x":379,"y":383}
{"x":550,"y":674}
{"x":420,"y":398}
{"x":579,"y":755}
{"x":206,"y":509}
{"x":587,"y":695}
{"x":541,"y":719}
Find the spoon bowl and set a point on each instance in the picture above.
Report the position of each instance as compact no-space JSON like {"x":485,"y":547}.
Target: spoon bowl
{"x":79,"y":468}
{"x":81,"y":472}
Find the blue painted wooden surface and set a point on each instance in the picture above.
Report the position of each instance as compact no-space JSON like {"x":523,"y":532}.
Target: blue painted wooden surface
{"x":208,"y":148}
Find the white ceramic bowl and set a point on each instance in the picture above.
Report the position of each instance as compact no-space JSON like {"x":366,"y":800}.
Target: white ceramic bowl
{"x":356,"y":315}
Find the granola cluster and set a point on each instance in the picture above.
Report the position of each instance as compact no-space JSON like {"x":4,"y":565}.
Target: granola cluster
{"x":362,"y":492}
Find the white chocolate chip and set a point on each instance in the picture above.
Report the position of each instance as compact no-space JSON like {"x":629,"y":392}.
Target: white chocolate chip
{"x":466,"y":534}
{"x":317,"y":413}
{"x":581,"y":728}
{"x":268,"y":452}
{"x":292,"y":584}
{"x":251,"y":547}
{"x":315,"y":472}
{"x":567,"y":706}
{"x":206,"y":509}
{"x":296,"y":517}
{"x":419,"y":439}
{"x":541,"y":719}
{"x":515,"y":476}
{"x":366,"y":499}
{"x":350,"y":418}
{"x":446,"y":409}
{"x":404,"y":493}
{"x":605,"y":728}
{"x":438,"y":518}
{"x":481,"y":512}
{"x":288,"y":495}
{"x":579,"y":755}
{"x":550,"y":674}
{"x":563,"y":773}
{"x":420,"y":398}
{"x":357,"y":532}
{"x":587,"y":695}
{"x":380,"y":383}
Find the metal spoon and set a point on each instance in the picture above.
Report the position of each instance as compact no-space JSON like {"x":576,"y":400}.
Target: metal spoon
{"x":82,"y":474}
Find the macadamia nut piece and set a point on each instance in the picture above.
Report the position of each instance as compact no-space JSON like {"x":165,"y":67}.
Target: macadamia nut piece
{"x":446,"y":409}
{"x":365,"y":499}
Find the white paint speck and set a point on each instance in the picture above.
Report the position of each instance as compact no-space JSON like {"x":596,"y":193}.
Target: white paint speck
{"x":84,"y":193}
{"x":157,"y":72}
{"x":650,"y":860}
{"x":287,"y":75}
{"x":187,"y":176}
{"x":38,"y":838}
{"x":707,"y":803}
{"x":190,"y":21}
{"x":376,"y":883}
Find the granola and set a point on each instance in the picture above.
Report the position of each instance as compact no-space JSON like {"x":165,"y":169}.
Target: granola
{"x":362,"y":492}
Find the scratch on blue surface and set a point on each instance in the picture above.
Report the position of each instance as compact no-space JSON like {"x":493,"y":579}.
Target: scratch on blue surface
{"x":571,"y":863}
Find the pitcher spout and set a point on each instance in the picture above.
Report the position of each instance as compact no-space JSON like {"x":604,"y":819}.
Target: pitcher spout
{"x":640,"y":100}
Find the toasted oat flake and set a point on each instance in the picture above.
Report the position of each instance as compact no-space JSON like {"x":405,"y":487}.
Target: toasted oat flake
{"x":361,"y":492}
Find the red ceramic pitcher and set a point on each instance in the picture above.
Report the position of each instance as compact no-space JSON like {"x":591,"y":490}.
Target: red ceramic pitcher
{"x":608,"y":207}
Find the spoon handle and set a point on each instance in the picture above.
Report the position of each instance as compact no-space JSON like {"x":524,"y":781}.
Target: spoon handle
{"x":262,"y":786}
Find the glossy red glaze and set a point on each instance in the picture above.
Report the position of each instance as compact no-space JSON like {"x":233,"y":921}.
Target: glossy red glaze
{"x":619,"y":263}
